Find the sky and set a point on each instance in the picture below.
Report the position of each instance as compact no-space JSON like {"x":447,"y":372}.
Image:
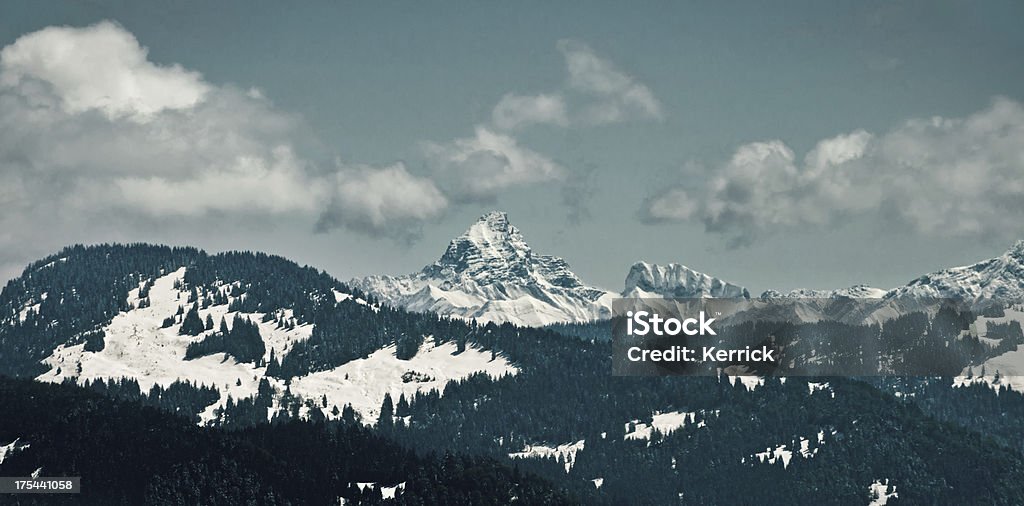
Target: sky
{"x":783,"y":145}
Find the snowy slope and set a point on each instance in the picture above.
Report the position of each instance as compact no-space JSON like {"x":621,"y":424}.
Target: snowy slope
{"x":489,"y":273}
{"x":1000,"y":278}
{"x":364,"y":382}
{"x":137,"y":347}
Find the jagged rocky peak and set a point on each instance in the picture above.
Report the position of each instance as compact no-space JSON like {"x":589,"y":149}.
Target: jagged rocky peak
{"x":490,"y":245}
{"x":677,"y":281}
{"x":493,"y":251}
{"x":1017,"y":251}
{"x":489,"y":273}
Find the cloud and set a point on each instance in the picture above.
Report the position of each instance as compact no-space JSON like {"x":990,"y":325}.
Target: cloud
{"x":100,"y":67}
{"x":514,"y":111}
{"x":672,"y":205}
{"x":477,"y":168}
{"x":273,"y":184}
{"x":90,"y":152}
{"x":385,"y":201}
{"x":98,"y":141}
{"x":616,"y":95}
{"x":938,"y":176}
{"x":595,"y":93}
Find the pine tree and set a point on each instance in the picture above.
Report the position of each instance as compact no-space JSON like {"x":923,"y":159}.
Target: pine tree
{"x":192,"y":325}
{"x":387,"y":412}
{"x":402,"y":409}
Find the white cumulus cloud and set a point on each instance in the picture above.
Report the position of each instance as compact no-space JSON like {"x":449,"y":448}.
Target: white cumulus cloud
{"x":97,"y":140}
{"x":101,"y":67}
{"x":938,"y":176}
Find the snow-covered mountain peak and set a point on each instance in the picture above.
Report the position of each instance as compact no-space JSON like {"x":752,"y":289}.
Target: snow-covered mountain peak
{"x":490,"y":273}
{"x":1000,"y":278}
{"x":491,"y":237}
{"x":491,"y":251}
{"x":677,"y":281}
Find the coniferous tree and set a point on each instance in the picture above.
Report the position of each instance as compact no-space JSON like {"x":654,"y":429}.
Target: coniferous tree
{"x":387,"y":412}
{"x":192,"y":325}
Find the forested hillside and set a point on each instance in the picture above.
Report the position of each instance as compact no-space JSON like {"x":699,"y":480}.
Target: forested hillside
{"x":130,"y":454}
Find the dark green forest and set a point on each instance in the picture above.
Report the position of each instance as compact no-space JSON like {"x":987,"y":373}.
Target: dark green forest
{"x":129,"y":453}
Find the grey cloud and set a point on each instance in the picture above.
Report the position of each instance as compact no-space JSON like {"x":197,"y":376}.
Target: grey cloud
{"x":960,"y":177}
{"x":95,"y":139}
{"x":616,"y":96}
{"x":477,"y":168}
{"x":595,"y":93}
{"x":385,"y":201}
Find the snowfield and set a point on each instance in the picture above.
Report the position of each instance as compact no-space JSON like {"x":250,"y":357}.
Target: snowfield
{"x":136,"y":347}
{"x":1009,"y":366}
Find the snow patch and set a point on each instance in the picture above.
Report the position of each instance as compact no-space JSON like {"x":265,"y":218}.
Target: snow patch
{"x":820,"y":387}
{"x":664,"y":423}
{"x":566,"y":451}
{"x":806,"y":448}
{"x":881,"y":492}
{"x":11,"y":448}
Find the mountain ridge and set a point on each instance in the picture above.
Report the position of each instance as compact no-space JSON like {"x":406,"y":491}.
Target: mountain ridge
{"x":489,"y":273}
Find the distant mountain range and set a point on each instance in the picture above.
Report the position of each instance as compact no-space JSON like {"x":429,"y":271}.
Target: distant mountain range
{"x":491,"y":274}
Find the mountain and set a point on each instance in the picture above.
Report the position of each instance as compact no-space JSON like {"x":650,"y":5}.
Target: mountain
{"x":490,"y":274}
{"x":677,"y":281}
{"x":853,"y":292}
{"x":1000,"y":278}
{"x":246,"y":325}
